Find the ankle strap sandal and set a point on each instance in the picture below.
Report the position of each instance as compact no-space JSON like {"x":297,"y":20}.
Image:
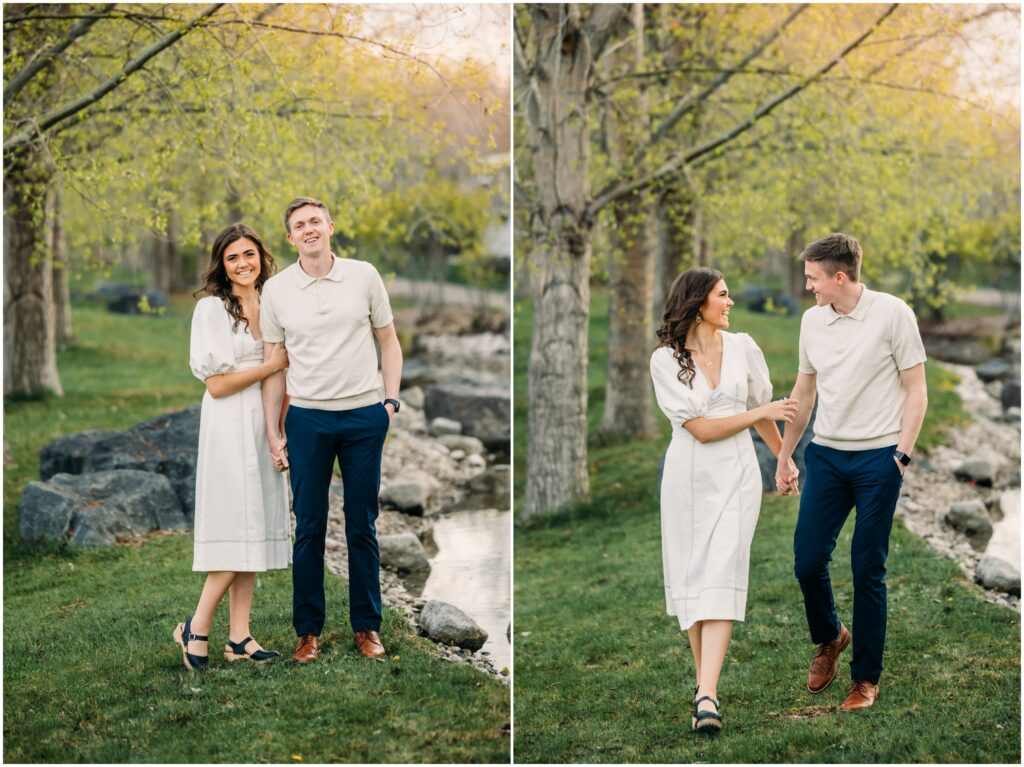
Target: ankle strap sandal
{"x":236,"y":651}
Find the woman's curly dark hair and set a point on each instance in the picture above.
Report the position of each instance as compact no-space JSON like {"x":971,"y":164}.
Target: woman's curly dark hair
{"x":216,"y":277}
{"x":687,"y":295}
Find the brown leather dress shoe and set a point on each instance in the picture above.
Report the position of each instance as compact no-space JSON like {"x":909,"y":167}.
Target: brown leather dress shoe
{"x":369,"y":644}
{"x":307,"y":650}
{"x":862,"y":695}
{"x":823,"y":667}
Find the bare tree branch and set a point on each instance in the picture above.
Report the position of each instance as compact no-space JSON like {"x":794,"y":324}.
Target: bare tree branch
{"x":56,"y":116}
{"x":617,"y":189}
{"x":13,"y":86}
{"x":688,"y":103}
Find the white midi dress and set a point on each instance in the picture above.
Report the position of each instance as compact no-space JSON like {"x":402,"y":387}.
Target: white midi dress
{"x":241,"y":519}
{"x":710,"y":493}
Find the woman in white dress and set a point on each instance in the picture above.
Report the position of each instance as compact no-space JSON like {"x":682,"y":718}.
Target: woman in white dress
{"x":713,"y":386}
{"x":241,"y":517}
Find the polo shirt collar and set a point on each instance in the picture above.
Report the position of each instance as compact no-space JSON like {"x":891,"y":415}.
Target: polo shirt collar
{"x":303,"y":280}
{"x":860,"y":311}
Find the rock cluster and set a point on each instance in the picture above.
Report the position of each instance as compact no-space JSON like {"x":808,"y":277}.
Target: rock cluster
{"x":964,"y":498}
{"x":167,"y":445}
{"x":436,"y":476}
{"x":95,"y":509}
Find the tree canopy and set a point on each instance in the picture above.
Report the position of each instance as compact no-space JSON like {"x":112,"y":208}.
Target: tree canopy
{"x":244,"y":107}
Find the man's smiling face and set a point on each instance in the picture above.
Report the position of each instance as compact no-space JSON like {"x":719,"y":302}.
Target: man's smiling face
{"x":310,"y":230}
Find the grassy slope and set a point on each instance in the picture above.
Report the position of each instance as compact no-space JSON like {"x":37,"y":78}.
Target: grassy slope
{"x":90,"y":672}
{"x":603,"y":675}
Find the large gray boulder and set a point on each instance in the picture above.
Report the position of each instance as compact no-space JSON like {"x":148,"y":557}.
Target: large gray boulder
{"x":995,"y":369}
{"x":997,"y":573}
{"x":982,"y":468}
{"x":403,"y":552}
{"x":67,"y":454}
{"x":970,"y":516}
{"x":484,"y":410}
{"x":962,"y":350}
{"x":1000,"y":567}
{"x":409,"y":492}
{"x":93,"y":509}
{"x":167,"y":444}
{"x":447,"y":624}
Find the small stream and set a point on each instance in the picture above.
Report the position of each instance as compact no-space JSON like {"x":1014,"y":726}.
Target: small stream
{"x":472,"y":570}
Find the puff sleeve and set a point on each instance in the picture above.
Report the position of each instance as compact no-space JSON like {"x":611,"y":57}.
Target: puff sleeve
{"x":759,"y":382}
{"x":677,"y":401}
{"x":211,"y":351}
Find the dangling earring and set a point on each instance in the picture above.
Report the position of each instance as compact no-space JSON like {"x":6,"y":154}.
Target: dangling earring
{"x":699,"y":319}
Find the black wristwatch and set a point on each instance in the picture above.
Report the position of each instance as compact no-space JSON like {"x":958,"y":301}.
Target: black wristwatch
{"x":394,"y":403}
{"x":902,"y":457}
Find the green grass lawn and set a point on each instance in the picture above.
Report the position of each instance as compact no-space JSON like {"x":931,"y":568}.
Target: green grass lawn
{"x":604,"y":675}
{"x":90,"y":671}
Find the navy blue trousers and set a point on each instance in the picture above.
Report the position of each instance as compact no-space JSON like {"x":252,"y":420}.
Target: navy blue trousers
{"x":838,"y":480}
{"x":315,"y":438}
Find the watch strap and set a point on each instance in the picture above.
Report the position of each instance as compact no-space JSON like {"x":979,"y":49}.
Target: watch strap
{"x":394,"y":403}
{"x":902,"y":457}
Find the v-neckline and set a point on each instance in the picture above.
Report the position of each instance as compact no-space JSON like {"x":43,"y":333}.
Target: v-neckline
{"x":721,"y":370}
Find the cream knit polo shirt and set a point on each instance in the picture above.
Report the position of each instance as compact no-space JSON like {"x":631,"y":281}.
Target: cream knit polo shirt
{"x":857,"y":358}
{"x":327,"y":326}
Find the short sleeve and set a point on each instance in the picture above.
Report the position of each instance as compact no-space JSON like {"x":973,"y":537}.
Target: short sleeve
{"x":805,"y":365}
{"x":907,"y":346}
{"x":211,"y":350}
{"x":677,"y":401}
{"x":270,"y":326}
{"x":380,"y":304}
{"x":759,"y":382}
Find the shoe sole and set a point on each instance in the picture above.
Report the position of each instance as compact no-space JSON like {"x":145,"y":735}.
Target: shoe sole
{"x":842,"y":647}
{"x":230,"y":657}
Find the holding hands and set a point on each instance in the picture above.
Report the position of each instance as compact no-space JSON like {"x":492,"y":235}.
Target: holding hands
{"x":278,"y":451}
{"x":780,"y":410}
{"x":787,"y":477}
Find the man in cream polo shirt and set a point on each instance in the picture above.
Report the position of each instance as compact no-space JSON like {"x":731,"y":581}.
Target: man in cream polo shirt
{"x":327,"y":311}
{"x":861,"y":353}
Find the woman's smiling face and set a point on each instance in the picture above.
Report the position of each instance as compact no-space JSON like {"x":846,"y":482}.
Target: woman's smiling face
{"x":715,"y":310}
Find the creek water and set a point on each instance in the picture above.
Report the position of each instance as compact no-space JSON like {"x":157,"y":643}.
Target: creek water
{"x":472,"y":570}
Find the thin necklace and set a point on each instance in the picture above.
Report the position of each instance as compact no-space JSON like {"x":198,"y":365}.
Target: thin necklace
{"x":706,"y":364}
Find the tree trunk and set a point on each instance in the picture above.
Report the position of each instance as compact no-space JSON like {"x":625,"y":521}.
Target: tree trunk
{"x":557,"y":388}
{"x":175,"y":283}
{"x":58,"y":246}
{"x":628,"y":401}
{"x":159,"y":264}
{"x":677,"y":242}
{"x":558,"y":135}
{"x":30,"y":339}
{"x":794,"y":273}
